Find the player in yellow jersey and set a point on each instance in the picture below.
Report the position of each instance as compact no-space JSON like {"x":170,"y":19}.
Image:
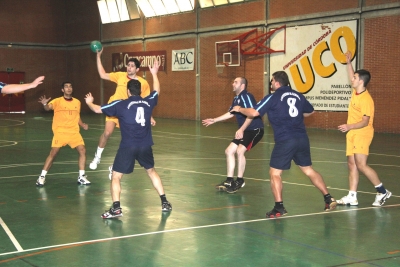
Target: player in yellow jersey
{"x":66,"y":122}
{"x":121,"y":79}
{"x":360,"y":132}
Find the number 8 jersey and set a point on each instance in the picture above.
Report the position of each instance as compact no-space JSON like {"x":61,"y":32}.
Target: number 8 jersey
{"x":285,"y":108}
{"x":134,"y":115}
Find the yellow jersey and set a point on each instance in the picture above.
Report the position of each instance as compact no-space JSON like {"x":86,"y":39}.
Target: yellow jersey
{"x":122,"y":79}
{"x":66,"y":115}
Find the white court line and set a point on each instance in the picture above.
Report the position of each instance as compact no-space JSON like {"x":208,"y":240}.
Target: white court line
{"x":191,"y":228}
{"x":11,"y":236}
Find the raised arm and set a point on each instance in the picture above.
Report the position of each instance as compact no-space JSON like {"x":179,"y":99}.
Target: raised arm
{"x":89,"y":101}
{"x":350,"y":70}
{"x":16,"y":88}
{"x":154,"y":71}
{"x":103,"y":74}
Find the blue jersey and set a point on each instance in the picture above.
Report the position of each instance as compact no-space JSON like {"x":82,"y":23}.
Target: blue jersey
{"x":134,"y":115}
{"x":246,"y":100}
{"x":285,"y":108}
{"x":2,"y":85}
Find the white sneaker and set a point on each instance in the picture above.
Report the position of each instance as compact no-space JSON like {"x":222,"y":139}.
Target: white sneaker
{"x":95,"y":161}
{"x":348,"y":200}
{"x":381,"y":198}
{"x":83,"y":180}
{"x":40,"y":181}
{"x":111,"y":170}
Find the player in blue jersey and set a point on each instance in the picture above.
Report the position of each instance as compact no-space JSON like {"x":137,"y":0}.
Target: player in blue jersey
{"x":250,"y":132}
{"x":17,"y":88}
{"x":134,"y":116}
{"x":286,"y":110}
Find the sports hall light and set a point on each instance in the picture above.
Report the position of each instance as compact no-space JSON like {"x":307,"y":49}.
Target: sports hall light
{"x":151,"y":8}
{"x":117,"y":10}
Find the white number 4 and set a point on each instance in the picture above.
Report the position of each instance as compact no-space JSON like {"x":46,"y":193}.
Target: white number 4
{"x":140,"y":116}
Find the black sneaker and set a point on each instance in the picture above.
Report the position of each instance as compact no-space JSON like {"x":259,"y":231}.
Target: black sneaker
{"x":222,"y":186}
{"x":275,"y":213}
{"x":331,"y":204}
{"x":112,"y":213}
{"x":166,"y":206}
{"x":236,"y":185}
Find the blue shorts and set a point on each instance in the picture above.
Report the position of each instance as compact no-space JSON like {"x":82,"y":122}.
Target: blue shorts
{"x":296,"y":149}
{"x":124,"y":161}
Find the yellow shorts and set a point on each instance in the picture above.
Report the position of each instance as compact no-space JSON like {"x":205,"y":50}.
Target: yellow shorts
{"x":63,"y":139}
{"x":357,"y":143}
{"x":114,"y":119}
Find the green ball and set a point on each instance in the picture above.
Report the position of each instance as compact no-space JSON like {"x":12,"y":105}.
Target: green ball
{"x":95,"y":46}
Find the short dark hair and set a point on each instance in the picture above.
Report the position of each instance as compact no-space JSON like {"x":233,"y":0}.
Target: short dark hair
{"x":64,"y":83}
{"x":135,"y":61}
{"x":364,"y":75}
{"x":243,"y":80}
{"x":134,"y":87}
{"x":281,"y":77}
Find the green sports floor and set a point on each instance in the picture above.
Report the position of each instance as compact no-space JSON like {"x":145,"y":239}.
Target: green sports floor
{"x":60,"y":224}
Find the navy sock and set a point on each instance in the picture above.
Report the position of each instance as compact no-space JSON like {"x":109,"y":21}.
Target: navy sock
{"x":240,"y":179}
{"x":327,"y":198}
{"x":229,"y":179}
{"x":279,"y":205}
{"x":163,"y":198}
{"x":381,"y":189}
{"x":116,"y":205}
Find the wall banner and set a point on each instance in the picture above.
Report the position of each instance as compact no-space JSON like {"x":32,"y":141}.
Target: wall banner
{"x":183,"y":60}
{"x":146,"y":59}
{"x":316,"y":64}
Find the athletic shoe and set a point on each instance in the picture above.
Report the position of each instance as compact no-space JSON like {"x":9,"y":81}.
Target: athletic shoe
{"x":275,"y":213}
{"x":236,"y":185}
{"x":40,"y":181}
{"x":110,"y":170}
{"x":94,"y":163}
{"x":83,"y":180}
{"x":348,"y":200}
{"x":112,"y":213}
{"x":222,"y":186}
{"x":331,"y":205}
{"x":166,"y":206}
{"x":381,"y":198}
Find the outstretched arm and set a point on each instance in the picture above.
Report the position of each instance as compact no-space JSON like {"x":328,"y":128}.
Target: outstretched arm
{"x":89,"y":101}
{"x":100,"y":67}
{"x":16,"y":88}
{"x":208,"y":122}
{"x":154,"y":71}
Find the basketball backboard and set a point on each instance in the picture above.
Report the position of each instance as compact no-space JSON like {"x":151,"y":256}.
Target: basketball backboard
{"x":227,"y":53}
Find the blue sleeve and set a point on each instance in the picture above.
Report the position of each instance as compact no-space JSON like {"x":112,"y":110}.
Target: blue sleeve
{"x":263,"y":105}
{"x":111,"y":108}
{"x":2,"y":85}
{"x":248,"y":101}
{"x":153,"y":98}
{"x":308,"y":108}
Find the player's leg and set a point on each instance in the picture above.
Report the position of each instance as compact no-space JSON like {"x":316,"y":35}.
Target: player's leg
{"x":108,"y":130}
{"x":382,"y":193}
{"x":82,"y":178}
{"x":230,"y":165}
{"x":115,"y":189}
{"x":56,"y":144}
{"x":276,"y":188}
{"x":146,"y":159}
{"x":249,"y":140}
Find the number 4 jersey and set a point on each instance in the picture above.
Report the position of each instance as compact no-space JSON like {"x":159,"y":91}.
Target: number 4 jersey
{"x":134,"y":115}
{"x":285,"y":108}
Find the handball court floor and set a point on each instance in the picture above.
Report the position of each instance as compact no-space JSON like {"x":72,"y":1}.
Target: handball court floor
{"x":60,"y":224}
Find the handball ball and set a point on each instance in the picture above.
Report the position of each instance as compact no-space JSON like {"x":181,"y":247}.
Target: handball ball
{"x":95,"y":46}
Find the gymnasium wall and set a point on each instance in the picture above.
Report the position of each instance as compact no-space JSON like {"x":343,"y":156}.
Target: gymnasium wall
{"x":56,"y":44}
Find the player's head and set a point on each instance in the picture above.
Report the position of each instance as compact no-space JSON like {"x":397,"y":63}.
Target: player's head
{"x":66,"y":87}
{"x":134,"y":87}
{"x":279,"y":78}
{"x":239,"y":84}
{"x":364,"y":76}
{"x":134,"y":61}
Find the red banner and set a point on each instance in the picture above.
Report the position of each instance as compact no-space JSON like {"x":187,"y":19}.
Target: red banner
{"x":146,"y":59}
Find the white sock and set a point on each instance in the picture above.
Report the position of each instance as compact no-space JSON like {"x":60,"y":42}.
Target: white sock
{"x":353,"y":194}
{"x":43,"y":173}
{"x":81,"y":172}
{"x":379,"y":185}
{"x":99,"y":151}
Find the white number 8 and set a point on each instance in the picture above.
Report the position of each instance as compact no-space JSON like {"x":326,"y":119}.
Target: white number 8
{"x":140,"y":116}
{"x":293,"y":112}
